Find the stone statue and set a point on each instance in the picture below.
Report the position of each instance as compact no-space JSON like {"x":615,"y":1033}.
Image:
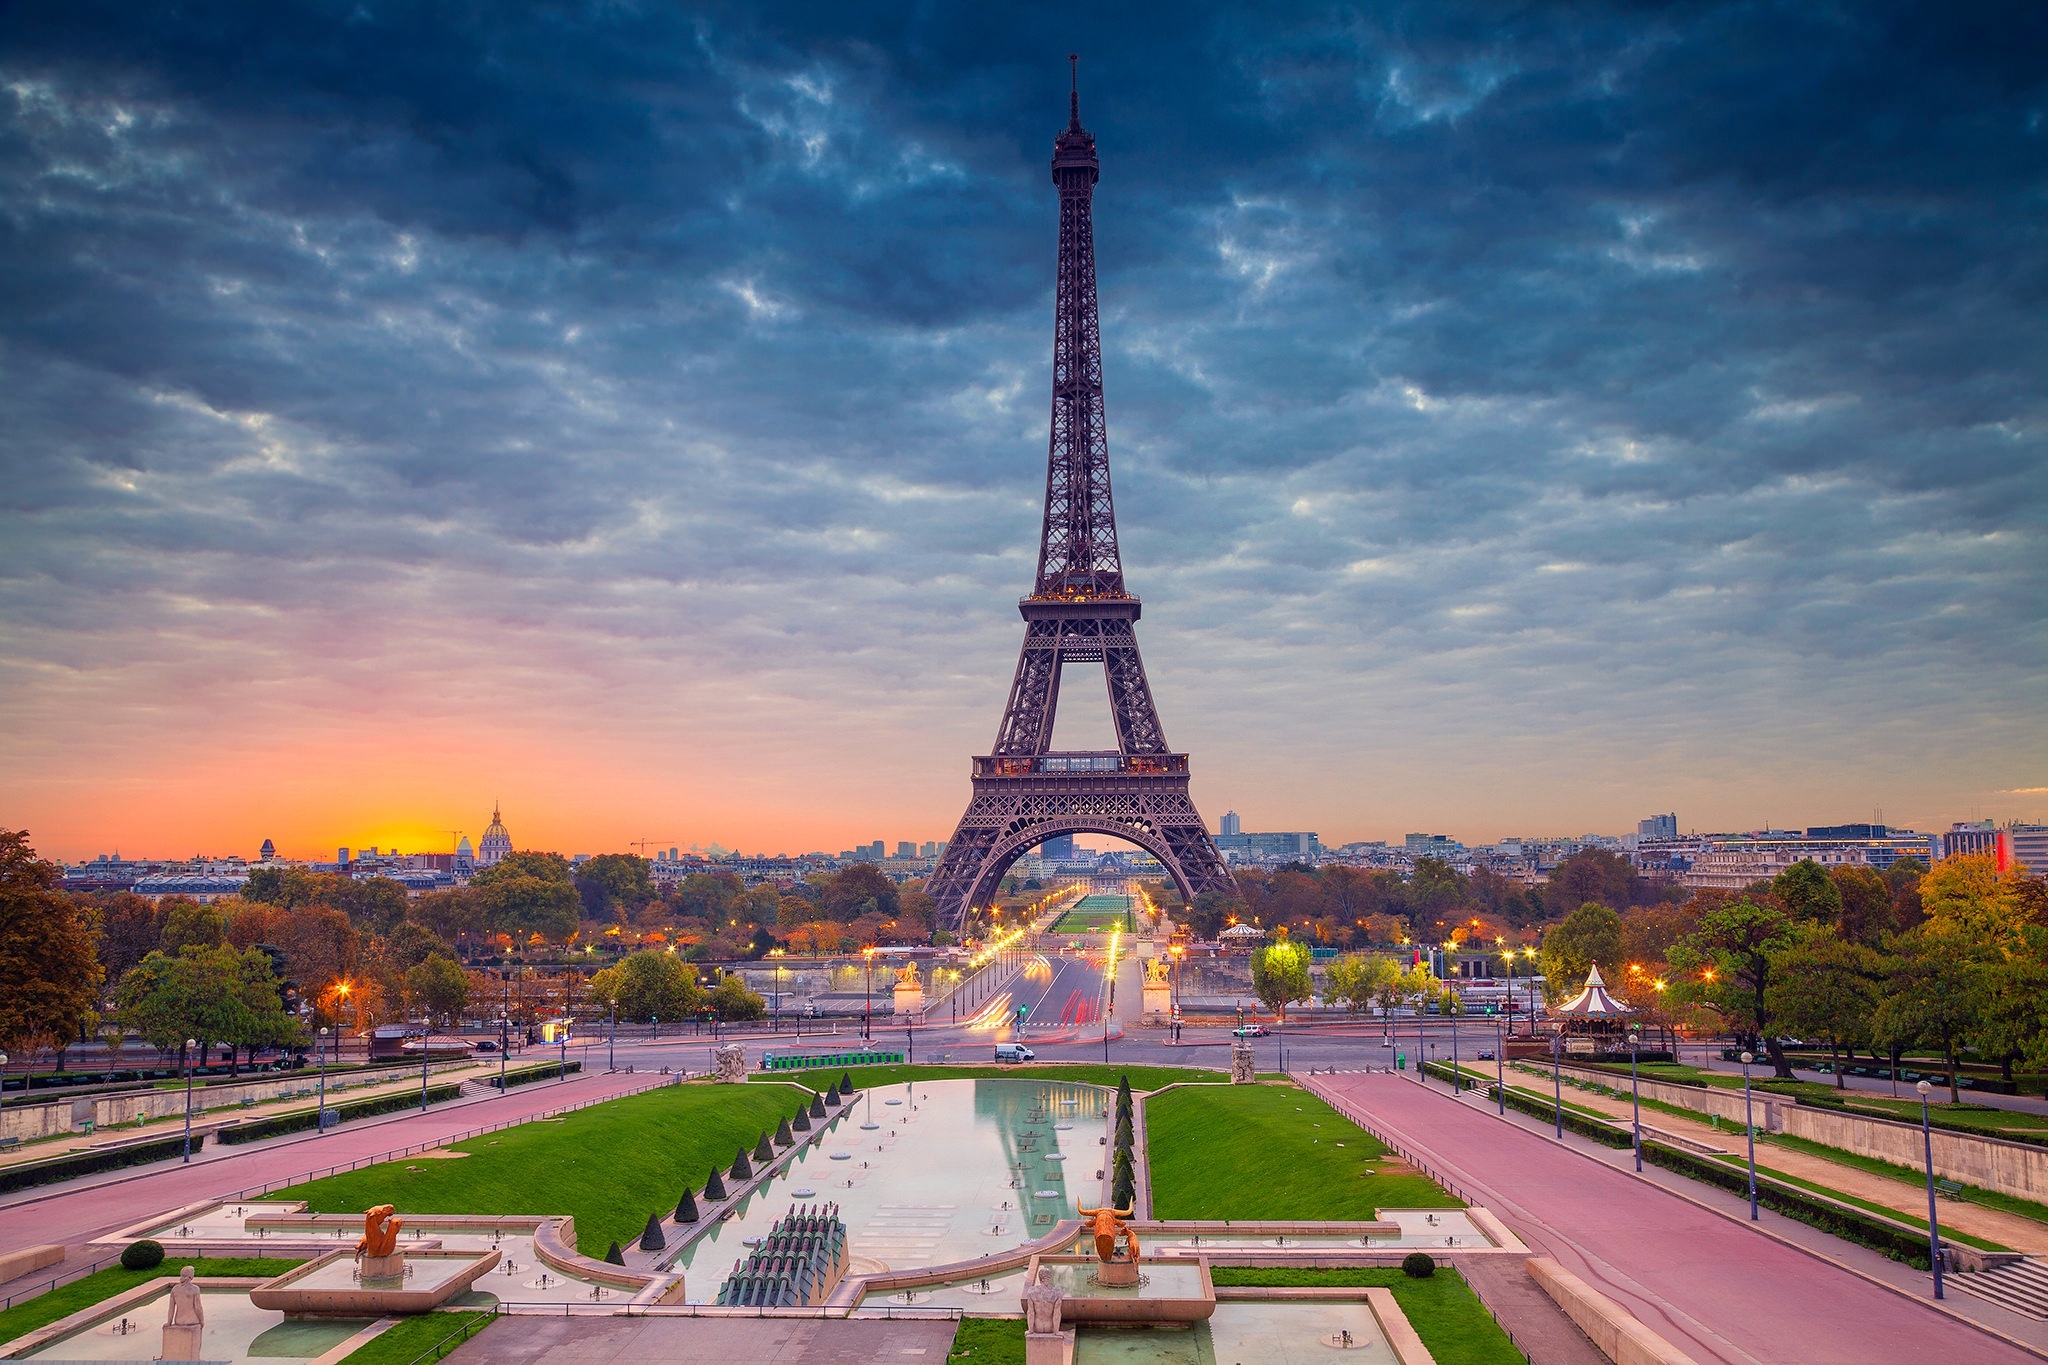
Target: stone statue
{"x":1041,"y":1302}
{"x":907,"y":977}
{"x":380,"y":1232}
{"x":185,"y":1324}
{"x":1244,"y":1067}
{"x":731,"y":1060}
{"x":188,"y":1305}
{"x":1110,"y":1225}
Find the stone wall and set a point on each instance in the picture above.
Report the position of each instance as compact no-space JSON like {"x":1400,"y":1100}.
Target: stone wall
{"x":2015,"y":1168}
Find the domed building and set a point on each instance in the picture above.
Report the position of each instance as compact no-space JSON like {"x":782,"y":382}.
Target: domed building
{"x":496,"y":842}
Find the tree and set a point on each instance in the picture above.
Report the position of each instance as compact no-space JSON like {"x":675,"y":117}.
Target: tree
{"x":858,"y":890}
{"x":1725,"y":965}
{"x":1903,"y":877}
{"x":612,"y":886}
{"x":195,"y":995}
{"x":1967,"y":897}
{"x":188,"y":924}
{"x":1933,"y":994}
{"x":1825,"y":987}
{"x":1807,"y":893}
{"x":1591,"y":874}
{"x":2014,"y":980}
{"x":1866,"y":915}
{"x":1589,"y":934}
{"x":1211,"y":911}
{"x":530,"y":896}
{"x":50,"y":970}
{"x":1435,"y":888}
{"x":438,"y":987}
{"x":408,"y":945}
{"x":447,"y":914}
{"x":261,"y":1021}
{"x":1357,"y":980}
{"x":730,"y":999}
{"x":1280,"y":975}
{"x":792,"y":911}
{"x":648,"y":985}
{"x":131,"y":927}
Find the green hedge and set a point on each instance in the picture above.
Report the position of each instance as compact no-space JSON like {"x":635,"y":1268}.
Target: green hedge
{"x":88,"y":1162}
{"x":310,"y":1118}
{"x":531,"y":1074}
{"x":1464,"y":1077}
{"x":1604,"y":1133}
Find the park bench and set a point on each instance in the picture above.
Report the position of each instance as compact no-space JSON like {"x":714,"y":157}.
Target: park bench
{"x":10,"y":1142}
{"x":1949,"y":1189}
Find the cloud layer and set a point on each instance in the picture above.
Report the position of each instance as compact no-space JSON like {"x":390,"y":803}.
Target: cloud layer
{"x":1521,"y":421}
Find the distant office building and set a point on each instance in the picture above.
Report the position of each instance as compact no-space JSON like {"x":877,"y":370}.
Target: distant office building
{"x":1276,"y":846}
{"x":1847,"y":832}
{"x":1061,"y":849}
{"x":1732,"y":862}
{"x":1975,"y":836}
{"x":204,"y":887}
{"x":1231,"y":824}
{"x":906,"y":848}
{"x":497,"y":841}
{"x":1658,"y":827}
{"x":2030,"y":846}
{"x":930,"y":849}
{"x":1430,"y":845}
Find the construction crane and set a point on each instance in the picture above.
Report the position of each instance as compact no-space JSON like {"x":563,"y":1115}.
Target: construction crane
{"x":454,"y":840}
{"x":642,"y":844}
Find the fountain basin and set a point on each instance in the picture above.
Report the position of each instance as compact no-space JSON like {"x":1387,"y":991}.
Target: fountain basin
{"x":330,"y":1288}
{"x":1176,"y":1291}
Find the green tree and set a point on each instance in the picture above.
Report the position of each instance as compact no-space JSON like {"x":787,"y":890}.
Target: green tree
{"x":1807,"y":893}
{"x":1211,"y":911}
{"x":438,"y":987}
{"x":1591,"y":874}
{"x":858,"y":890}
{"x":1824,"y":987}
{"x":1356,"y":979}
{"x":528,"y":893}
{"x":612,"y":886}
{"x":1725,"y":965}
{"x":1435,"y":888}
{"x":1934,"y":994}
{"x":1280,"y":975}
{"x":448,"y":915}
{"x":730,"y":999}
{"x":1866,"y":915}
{"x":50,"y":970}
{"x":261,"y":1021}
{"x":1589,"y":934}
{"x":408,"y":945}
{"x":188,"y":924}
{"x":131,"y":927}
{"x":197,"y":995}
{"x":2013,"y":1023}
{"x":648,"y":985}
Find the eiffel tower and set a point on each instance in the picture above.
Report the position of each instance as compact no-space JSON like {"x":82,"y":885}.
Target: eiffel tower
{"x":1079,"y":611}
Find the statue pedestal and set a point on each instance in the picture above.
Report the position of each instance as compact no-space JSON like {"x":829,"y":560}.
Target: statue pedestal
{"x":182,"y":1342}
{"x":1049,"y":1348}
{"x":390,"y":1267}
{"x":1158,"y":999}
{"x":1116,"y":1274}
{"x":909,"y":1002}
{"x":1244,"y":1068}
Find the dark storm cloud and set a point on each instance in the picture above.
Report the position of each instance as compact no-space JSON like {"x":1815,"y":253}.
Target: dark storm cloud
{"x":1486,"y":362}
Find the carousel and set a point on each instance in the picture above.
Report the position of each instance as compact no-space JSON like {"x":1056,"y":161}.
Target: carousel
{"x":1592,"y":1021}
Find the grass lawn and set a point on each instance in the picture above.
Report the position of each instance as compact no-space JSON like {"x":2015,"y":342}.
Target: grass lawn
{"x":415,"y":1337}
{"x":1881,"y":1210}
{"x":66,"y":1299}
{"x":1092,"y":922}
{"x":1444,"y":1311}
{"x":1255,"y":1151}
{"x":609,"y":1165}
{"x":989,"y":1341}
{"x":1143,"y":1078}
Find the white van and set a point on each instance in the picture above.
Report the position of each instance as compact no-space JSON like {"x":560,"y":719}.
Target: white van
{"x":1014,"y":1052}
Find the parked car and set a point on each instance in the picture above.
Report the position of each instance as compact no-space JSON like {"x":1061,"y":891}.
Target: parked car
{"x":1249,"y":1031}
{"x":486,"y":1046}
{"x":1486,"y":1054}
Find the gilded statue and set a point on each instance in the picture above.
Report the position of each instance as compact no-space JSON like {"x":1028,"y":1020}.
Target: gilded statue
{"x":380,"y":1232}
{"x":907,"y":977}
{"x":1110,"y":1225}
{"x":1155,"y":971}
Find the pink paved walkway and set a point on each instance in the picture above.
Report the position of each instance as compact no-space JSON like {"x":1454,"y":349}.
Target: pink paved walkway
{"x":76,"y":1213}
{"x":1711,"y":1286}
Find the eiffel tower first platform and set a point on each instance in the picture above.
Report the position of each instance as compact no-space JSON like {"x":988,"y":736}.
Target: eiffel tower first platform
{"x":1078,"y":612}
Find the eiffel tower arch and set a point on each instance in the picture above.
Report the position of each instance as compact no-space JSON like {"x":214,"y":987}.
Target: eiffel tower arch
{"x":1079,"y":611}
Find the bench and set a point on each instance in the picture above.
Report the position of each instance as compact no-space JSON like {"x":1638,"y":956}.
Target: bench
{"x":10,"y":1142}
{"x":1949,"y":1189}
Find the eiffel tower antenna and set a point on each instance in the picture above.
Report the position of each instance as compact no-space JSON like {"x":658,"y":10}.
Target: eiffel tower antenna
{"x":1079,"y":611}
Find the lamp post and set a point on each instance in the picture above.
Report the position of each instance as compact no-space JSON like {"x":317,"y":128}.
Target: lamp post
{"x":1507,"y":956}
{"x":322,"y":1126}
{"x":1933,"y":1216}
{"x":1749,"y":1131}
{"x":1500,"y":1066}
{"x":426,"y":1036}
{"x":1557,"y":1082}
{"x":1457,"y":1079}
{"x":190,"y":1043}
{"x":564,"y":1040}
{"x":868,"y":1006}
{"x":1635,"y":1094}
{"x":611,"y":1042}
{"x":3,"y":1080}
{"x":504,"y":1047}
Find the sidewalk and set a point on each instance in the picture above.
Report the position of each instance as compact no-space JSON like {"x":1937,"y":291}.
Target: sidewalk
{"x":2007,"y":1229}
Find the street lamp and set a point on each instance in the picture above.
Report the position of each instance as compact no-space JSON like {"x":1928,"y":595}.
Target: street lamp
{"x":3,"y":1080}
{"x":190,"y":1043}
{"x":611,"y":1042}
{"x":323,"y":1081}
{"x":868,"y":1006}
{"x":1636,"y":1094}
{"x":564,"y":1040}
{"x":504,"y":1048}
{"x":1508,"y":957}
{"x":1500,"y":1066}
{"x":1933,"y":1216}
{"x":1749,"y":1131}
{"x":1557,"y":1082}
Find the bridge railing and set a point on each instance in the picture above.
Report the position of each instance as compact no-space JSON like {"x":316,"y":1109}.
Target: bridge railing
{"x":1033,"y":765}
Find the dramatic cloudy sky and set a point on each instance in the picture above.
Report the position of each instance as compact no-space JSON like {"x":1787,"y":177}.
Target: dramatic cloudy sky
{"x":1524,"y":418}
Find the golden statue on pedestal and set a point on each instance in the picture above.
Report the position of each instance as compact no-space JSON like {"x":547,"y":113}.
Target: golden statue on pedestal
{"x":380,"y":1232}
{"x":1109,"y":1226}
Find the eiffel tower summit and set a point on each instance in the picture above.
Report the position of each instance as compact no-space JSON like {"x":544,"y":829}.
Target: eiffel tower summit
{"x":1079,"y":611}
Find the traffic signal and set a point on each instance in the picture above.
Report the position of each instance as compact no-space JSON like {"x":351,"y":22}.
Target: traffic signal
{"x":1022,"y":1010}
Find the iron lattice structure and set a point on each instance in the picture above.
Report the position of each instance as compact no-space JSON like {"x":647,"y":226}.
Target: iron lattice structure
{"x":1079,"y":611}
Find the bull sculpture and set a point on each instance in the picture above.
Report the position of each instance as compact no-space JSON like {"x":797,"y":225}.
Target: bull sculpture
{"x":1109,"y":1226}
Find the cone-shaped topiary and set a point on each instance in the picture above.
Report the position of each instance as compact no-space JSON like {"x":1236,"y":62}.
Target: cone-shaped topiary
{"x":1124,"y":1132}
{"x":653,"y":1239}
{"x":686,"y":1207}
{"x":783,"y":1135}
{"x":846,"y":1084}
{"x":762,"y":1151}
{"x":832,"y":1094}
{"x":817,"y":1106}
{"x":741,"y":1168}
{"x":714,"y":1188}
{"x":801,"y":1123}
{"x":615,"y":1256}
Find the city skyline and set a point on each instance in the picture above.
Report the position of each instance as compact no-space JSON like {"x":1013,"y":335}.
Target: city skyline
{"x":655,"y":422}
